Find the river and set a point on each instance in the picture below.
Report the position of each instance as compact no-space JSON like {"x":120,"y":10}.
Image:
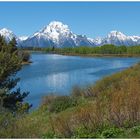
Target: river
{"x":57,"y":74}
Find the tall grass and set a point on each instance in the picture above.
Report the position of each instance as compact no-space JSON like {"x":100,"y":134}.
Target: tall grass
{"x":113,"y":101}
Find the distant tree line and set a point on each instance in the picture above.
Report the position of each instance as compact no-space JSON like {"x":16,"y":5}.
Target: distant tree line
{"x":105,"y":49}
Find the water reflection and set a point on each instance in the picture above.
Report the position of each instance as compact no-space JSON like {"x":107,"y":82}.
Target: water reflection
{"x":59,"y":80}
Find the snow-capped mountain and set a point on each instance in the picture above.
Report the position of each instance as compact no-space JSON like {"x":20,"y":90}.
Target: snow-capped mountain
{"x":22,"y":38}
{"x":7,"y":34}
{"x":118,"y":39}
{"x":96,"y":41}
{"x":58,"y":34}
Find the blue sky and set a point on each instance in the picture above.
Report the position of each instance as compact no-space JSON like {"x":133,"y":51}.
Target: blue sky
{"x":93,"y":19}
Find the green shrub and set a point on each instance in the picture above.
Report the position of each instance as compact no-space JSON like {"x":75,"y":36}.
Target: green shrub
{"x":49,"y":134}
{"x":61,"y":103}
{"x":135,"y":129}
{"x":111,"y":132}
{"x":82,"y":132}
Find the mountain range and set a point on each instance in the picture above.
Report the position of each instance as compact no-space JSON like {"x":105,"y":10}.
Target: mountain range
{"x":58,"y":34}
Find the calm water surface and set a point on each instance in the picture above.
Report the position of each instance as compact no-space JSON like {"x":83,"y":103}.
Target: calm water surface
{"x":51,"y":73}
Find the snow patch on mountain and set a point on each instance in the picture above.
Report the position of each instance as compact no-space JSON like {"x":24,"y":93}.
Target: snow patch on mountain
{"x":22,"y":38}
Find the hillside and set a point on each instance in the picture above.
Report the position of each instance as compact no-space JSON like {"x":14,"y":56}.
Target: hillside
{"x":108,"y":109}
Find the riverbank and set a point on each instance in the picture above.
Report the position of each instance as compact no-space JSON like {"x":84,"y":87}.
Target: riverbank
{"x":98,"y":55}
{"x":108,"y":109}
{"x":26,"y":63}
{"x":88,"y":55}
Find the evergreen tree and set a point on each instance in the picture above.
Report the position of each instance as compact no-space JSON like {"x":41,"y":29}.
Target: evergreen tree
{"x":10,"y":64}
{"x":13,"y":45}
{"x":2,"y":42}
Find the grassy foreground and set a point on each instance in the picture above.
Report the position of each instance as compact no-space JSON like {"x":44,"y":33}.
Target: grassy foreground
{"x":108,"y":109}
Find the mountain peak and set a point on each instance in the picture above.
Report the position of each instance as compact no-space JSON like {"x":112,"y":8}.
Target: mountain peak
{"x":116,"y":34}
{"x":8,"y":34}
{"x":55,"y":26}
{"x":56,"y":23}
{"x":55,"y":31}
{"x":5,"y":31}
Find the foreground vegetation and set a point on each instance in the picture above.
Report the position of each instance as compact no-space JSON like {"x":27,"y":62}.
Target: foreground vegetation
{"x":11,"y":99}
{"x":108,"y":109}
{"x":10,"y":63}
